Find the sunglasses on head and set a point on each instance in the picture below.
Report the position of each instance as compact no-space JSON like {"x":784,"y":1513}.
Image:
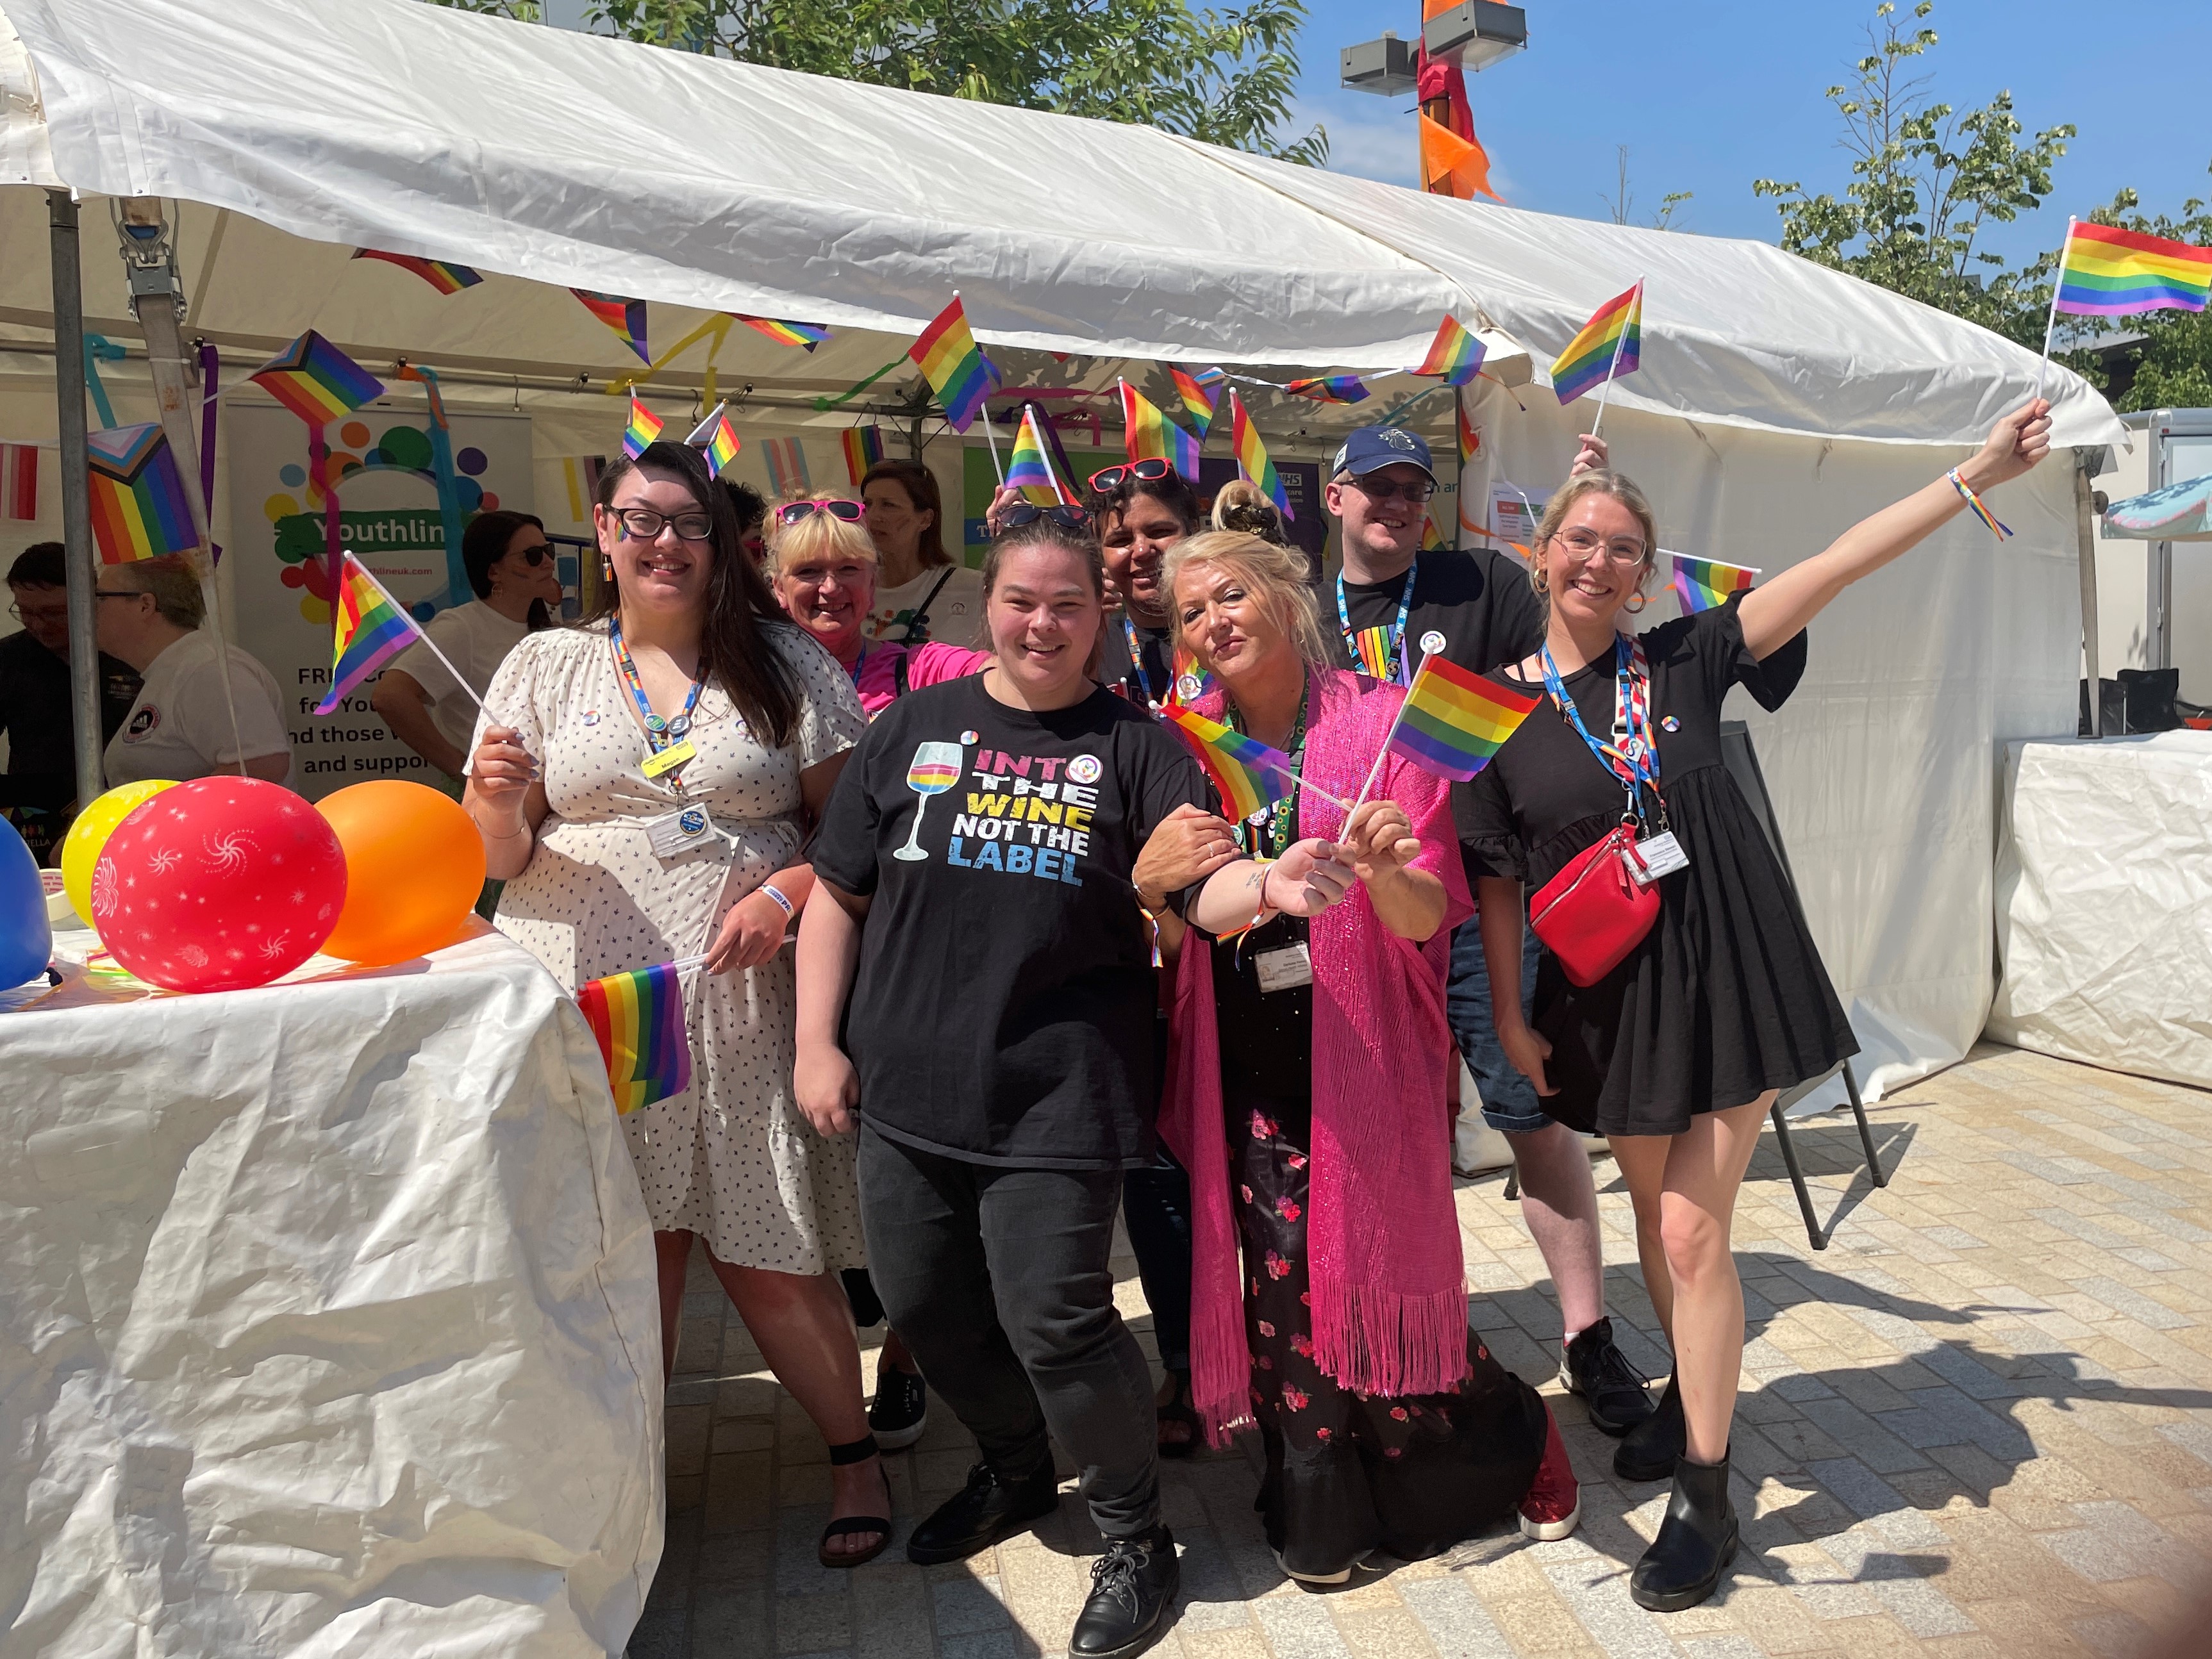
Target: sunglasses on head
{"x":836,"y":506}
{"x":1107,"y":480}
{"x":1022,"y":513}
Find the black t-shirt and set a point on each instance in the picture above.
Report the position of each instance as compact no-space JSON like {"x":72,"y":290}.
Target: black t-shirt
{"x":35,"y":713}
{"x":1002,"y":1012}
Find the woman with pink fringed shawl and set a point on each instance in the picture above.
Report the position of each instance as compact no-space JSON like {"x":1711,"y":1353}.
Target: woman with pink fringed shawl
{"x":1306,"y":1082}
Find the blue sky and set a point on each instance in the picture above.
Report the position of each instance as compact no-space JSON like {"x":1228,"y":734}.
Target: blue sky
{"x":1709,"y":97}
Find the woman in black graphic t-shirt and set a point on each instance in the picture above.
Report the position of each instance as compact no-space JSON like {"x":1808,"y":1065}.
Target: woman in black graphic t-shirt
{"x":976,"y":993}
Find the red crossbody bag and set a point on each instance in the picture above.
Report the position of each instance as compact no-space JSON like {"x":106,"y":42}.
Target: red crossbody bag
{"x":1593,"y":913}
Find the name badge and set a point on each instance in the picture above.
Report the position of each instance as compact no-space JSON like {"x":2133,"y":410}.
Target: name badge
{"x":1285,"y":969}
{"x":676,"y":832}
{"x":669,"y":759}
{"x":1662,"y":855}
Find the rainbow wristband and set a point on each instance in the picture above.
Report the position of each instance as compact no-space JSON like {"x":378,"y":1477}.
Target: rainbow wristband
{"x":1977,"y":506}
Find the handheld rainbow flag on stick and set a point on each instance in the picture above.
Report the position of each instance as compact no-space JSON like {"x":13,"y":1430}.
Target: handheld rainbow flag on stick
{"x":1609,"y":346}
{"x":2105,"y":272}
{"x":625,"y":316}
{"x":863,"y":447}
{"x":642,"y":428}
{"x":1252,"y":457}
{"x":1455,"y":355}
{"x":369,"y":627}
{"x":808,"y":334}
{"x":1249,"y":776}
{"x":1148,"y":434}
{"x":1191,"y":682}
{"x":955,"y":367}
{"x":139,"y":510}
{"x":316,"y":381}
{"x":442,"y":275}
{"x":1199,"y":391}
{"x":1330,"y":389}
{"x":1702,"y":583}
{"x":637,"y":1019}
{"x":1452,"y":721}
{"x":717,"y":437}
{"x":1028,"y":468}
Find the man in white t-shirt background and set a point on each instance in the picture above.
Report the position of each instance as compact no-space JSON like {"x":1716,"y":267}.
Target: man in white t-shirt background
{"x":179,"y":728}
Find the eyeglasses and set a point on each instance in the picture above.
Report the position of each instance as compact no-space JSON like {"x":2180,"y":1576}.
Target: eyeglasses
{"x":1151,"y":470}
{"x":58,"y":614}
{"x":1582,"y":543}
{"x":1022,"y":513}
{"x":644,"y":525}
{"x":836,"y":506}
{"x":1416,"y":492}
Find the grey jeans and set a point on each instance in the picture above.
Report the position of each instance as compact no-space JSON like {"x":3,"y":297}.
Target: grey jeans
{"x":997,"y":1280}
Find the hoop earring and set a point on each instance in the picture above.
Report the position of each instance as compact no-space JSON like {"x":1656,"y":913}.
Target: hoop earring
{"x":1635,"y":607}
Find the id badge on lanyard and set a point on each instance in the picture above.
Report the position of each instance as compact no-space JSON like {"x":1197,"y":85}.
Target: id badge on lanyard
{"x":1633,"y":756}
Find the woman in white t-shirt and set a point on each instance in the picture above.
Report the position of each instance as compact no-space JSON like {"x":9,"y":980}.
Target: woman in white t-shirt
{"x":181,"y":728}
{"x":922,"y":594}
{"x":517,"y":587}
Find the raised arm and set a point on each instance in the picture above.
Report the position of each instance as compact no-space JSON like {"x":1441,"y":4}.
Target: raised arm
{"x":1774,"y":613}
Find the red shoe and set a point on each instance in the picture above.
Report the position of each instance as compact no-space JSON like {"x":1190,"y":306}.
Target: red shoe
{"x":1554,"y":1502}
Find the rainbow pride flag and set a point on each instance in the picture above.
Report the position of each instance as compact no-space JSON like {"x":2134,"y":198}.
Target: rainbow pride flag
{"x":808,"y":334}
{"x":1467,"y":501}
{"x":625,"y":316}
{"x":1606,"y":349}
{"x":1028,"y":468}
{"x":863,"y":447}
{"x":1454,"y":720}
{"x":1191,"y":681}
{"x":721,"y":445}
{"x":788,"y":473}
{"x":1200,"y":392}
{"x":1455,"y":355}
{"x":1702,"y":583}
{"x":643,"y":428}
{"x":1148,"y":434}
{"x":955,"y":367}
{"x":637,"y":1019}
{"x":2105,"y":272}
{"x":139,"y":508}
{"x":1330,"y":389}
{"x":368,"y":630}
{"x":1252,"y":457}
{"x":442,"y":275}
{"x":316,"y":381}
{"x":1249,"y":776}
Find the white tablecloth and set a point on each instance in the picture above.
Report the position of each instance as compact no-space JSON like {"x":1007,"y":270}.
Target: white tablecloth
{"x":327,"y":1322}
{"x":2105,"y":903}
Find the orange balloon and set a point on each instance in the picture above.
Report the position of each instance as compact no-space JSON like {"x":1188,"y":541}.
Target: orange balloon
{"x":414,"y":867}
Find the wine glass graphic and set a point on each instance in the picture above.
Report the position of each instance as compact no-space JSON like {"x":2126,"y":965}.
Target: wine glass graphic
{"x":934,"y":769}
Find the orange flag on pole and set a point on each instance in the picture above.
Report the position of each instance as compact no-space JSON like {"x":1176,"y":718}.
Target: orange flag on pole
{"x":1453,"y":166}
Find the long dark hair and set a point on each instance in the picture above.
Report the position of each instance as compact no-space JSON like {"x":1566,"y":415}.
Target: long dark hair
{"x":736,"y":643}
{"x":919,"y":484}
{"x":484,"y":543}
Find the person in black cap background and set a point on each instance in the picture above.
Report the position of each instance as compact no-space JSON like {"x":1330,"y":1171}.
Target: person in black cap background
{"x":35,"y":711}
{"x":1395,"y":604}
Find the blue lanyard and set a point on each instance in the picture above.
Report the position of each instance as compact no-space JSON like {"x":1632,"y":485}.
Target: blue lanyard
{"x":1392,"y":666}
{"x":658,"y":733}
{"x":1136,"y":663}
{"x":1631,"y":757}
{"x":859,"y":662}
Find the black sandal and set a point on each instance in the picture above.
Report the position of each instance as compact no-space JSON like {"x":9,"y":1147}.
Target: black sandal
{"x":856,"y":1451}
{"x":1178,"y":1410}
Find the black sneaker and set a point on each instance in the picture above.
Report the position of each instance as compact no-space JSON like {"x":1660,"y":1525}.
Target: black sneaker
{"x":984,"y":1512}
{"x":1132,"y":1586}
{"x":901,"y":1409}
{"x":1616,"y":1392}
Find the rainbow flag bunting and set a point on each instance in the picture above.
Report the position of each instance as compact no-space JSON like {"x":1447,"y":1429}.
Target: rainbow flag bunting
{"x":139,"y":508}
{"x":643,"y":428}
{"x":806,"y":335}
{"x":442,"y":275}
{"x":717,"y":437}
{"x":2105,"y":272}
{"x":1249,"y":776}
{"x":788,"y":474}
{"x":1200,"y":392}
{"x":955,"y":367}
{"x":1148,"y":434}
{"x":1607,"y":348}
{"x":637,"y":1018}
{"x":368,"y":630}
{"x":1028,"y":468}
{"x":1330,"y":389}
{"x":1454,"y":720}
{"x":1455,"y":355}
{"x":1252,"y":457}
{"x":1702,"y":583}
{"x":625,"y":316}
{"x":316,"y":381}
{"x":863,"y":447}
{"x":1192,"y":683}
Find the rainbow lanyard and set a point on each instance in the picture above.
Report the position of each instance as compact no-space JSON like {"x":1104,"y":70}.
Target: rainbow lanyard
{"x":1136,"y":663}
{"x":658,"y":733}
{"x":1394,"y":657}
{"x":1631,"y":756}
{"x":1280,"y":820}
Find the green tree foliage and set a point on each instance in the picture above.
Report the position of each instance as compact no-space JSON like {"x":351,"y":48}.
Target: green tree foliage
{"x":1225,"y":76}
{"x":2174,"y":367}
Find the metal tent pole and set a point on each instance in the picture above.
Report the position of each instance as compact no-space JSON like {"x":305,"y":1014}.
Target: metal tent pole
{"x":2085,"y":559}
{"x":76,"y":525}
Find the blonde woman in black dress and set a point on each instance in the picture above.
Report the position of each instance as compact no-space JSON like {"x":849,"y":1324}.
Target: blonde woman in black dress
{"x":1678,"y":1052}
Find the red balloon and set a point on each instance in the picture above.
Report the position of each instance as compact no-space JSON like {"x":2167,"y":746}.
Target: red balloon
{"x":231,"y":883}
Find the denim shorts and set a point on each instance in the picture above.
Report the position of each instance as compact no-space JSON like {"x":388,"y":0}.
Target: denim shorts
{"x":1508,"y":1100}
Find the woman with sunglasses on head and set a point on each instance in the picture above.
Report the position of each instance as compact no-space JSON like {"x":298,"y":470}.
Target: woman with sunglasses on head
{"x":518,"y":588}
{"x":922,"y":592}
{"x":976,"y":999}
{"x":1141,"y":508}
{"x":643,"y":782}
{"x":1677,"y":1050}
{"x":1307,"y":1072}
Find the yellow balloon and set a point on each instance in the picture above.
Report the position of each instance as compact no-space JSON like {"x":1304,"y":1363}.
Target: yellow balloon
{"x":88,"y":836}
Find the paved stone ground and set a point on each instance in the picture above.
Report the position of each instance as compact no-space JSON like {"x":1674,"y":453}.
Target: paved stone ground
{"x":1980,"y":1423}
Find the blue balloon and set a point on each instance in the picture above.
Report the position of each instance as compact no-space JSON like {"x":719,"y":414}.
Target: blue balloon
{"x":27,"y":938}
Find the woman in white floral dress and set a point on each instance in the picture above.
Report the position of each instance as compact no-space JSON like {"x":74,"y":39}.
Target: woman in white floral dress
{"x":644,"y":783}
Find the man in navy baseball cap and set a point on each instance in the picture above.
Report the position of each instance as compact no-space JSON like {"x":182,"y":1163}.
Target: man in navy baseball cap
{"x":1372,"y":448}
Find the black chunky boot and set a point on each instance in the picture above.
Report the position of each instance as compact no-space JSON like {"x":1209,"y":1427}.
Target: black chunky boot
{"x":1649,"y":1451}
{"x":1696,"y":1541}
